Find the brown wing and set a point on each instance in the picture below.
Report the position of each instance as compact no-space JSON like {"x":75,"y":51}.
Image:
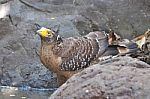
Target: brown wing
{"x":78,"y":52}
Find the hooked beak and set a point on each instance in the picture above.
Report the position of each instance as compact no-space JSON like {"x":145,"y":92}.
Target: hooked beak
{"x":38,"y":33}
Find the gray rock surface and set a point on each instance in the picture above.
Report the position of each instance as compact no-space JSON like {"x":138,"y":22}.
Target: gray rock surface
{"x":19,"y":63}
{"x":117,"y":78}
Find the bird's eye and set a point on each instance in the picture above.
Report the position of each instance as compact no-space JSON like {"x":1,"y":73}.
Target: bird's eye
{"x":50,"y":34}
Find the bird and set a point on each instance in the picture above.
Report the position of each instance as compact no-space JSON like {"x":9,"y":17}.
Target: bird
{"x":68,"y":56}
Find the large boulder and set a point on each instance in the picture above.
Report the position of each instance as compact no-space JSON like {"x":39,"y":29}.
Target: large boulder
{"x":117,"y":78}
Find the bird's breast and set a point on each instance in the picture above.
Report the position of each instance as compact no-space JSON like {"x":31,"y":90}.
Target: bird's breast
{"x":49,"y":59}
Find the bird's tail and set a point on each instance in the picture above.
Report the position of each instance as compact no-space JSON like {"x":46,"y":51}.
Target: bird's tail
{"x":120,"y":50}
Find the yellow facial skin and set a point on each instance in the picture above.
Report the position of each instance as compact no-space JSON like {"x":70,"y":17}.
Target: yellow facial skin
{"x":44,"y":32}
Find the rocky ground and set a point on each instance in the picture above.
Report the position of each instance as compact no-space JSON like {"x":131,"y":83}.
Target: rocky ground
{"x":117,"y":78}
{"x":19,"y":63}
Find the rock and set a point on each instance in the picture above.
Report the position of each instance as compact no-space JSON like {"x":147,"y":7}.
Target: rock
{"x":19,"y":44}
{"x":19,"y":62}
{"x":117,"y":78}
{"x":121,"y":16}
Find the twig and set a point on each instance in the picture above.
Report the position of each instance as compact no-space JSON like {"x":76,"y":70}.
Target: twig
{"x":5,"y":1}
{"x":10,"y":18}
{"x":36,"y":51}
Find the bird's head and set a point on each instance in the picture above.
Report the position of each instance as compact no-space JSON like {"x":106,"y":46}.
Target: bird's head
{"x":45,"y":32}
{"x":49,"y":35}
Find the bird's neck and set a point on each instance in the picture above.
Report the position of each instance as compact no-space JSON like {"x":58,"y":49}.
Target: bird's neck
{"x":54,"y":47}
{"x":48,"y":56}
{"x":45,"y":41}
{"x":46,"y":46}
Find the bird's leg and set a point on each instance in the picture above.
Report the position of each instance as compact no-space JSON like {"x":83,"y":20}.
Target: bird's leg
{"x":61,"y":79}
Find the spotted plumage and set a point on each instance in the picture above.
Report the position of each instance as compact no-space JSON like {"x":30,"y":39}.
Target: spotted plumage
{"x":78,"y":53}
{"x":68,"y":56}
